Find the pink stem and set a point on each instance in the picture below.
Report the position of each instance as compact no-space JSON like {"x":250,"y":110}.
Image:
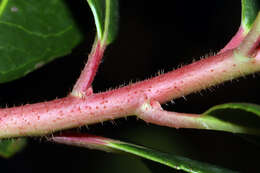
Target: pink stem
{"x":152,"y":112}
{"x":78,"y":138}
{"x":69,"y":112}
{"x":82,"y":87}
{"x":85,"y":140}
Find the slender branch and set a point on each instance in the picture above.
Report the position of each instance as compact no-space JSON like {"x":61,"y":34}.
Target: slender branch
{"x":69,"y":112}
{"x":152,"y":112}
{"x":83,"y":87}
{"x":77,"y":110}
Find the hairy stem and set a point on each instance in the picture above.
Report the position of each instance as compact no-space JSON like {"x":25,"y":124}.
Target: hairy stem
{"x":152,"y":112}
{"x":82,"y":87}
{"x":69,"y":112}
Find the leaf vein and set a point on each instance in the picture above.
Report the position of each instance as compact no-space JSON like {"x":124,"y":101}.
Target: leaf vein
{"x":36,"y":33}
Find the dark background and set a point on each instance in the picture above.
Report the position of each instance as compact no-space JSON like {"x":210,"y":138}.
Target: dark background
{"x":153,"y":36}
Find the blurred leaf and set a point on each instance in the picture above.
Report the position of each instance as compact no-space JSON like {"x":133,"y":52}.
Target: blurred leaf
{"x":232,"y":117}
{"x":105,"y":144}
{"x":106,"y":18}
{"x":9,"y":147}
{"x":250,"y":8}
{"x":32,"y":33}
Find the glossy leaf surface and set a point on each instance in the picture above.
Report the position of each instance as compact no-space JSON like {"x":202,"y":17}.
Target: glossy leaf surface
{"x":173,"y":161}
{"x":250,"y":8}
{"x":32,"y":33}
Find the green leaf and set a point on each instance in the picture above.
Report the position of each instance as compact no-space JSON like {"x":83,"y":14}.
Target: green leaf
{"x":32,"y":33}
{"x":173,"y":161}
{"x":232,"y":117}
{"x":9,"y":147}
{"x":106,"y":19}
{"x":105,"y":144}
{"x":250,"y":8}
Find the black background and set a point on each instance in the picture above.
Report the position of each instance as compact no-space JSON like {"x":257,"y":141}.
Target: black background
{"x":153,"y":36}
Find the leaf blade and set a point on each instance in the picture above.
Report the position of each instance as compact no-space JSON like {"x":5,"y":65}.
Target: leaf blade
{"x":245,"y":119}
{"x":109,"y":145}
{"x":250,"y":8}
{"x":33,"y":34}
